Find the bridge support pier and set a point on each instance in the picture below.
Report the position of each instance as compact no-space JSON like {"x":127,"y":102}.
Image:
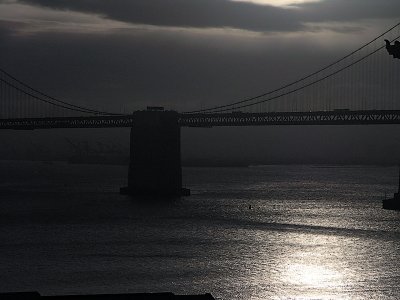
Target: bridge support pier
{"x":155,"y":156}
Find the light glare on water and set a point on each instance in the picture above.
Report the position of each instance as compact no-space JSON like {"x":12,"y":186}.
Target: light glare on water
{"x":274,"y":232}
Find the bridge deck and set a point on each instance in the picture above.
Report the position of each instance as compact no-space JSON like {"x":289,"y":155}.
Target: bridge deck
{"x":338,"y":117}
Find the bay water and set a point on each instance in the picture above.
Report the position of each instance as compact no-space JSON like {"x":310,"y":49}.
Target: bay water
{"x":265,"y":232}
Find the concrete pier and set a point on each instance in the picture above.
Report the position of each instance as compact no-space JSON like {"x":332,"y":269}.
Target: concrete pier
{"x":393,"y":203}
{"x":155,"y":155}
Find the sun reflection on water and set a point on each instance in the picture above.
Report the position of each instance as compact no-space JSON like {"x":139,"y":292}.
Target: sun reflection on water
{"x":313,"y":276}
{"x":308,"y":266}
{"x":316,"y":271}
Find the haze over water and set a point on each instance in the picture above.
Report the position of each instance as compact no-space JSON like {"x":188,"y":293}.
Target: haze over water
{"x":311,"y":233}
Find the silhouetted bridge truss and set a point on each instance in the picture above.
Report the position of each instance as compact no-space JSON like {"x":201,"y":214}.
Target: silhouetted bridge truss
{"x":361,"y":88}
{"x":346,"y":117}
{"x":217,"y":119}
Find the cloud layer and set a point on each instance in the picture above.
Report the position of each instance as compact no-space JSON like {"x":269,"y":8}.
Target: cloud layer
{"x":232,"y":14}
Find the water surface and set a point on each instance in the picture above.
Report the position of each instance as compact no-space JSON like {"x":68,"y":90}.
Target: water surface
{"x":312,"y":233}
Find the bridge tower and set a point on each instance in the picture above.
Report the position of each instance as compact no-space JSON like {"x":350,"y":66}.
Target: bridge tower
{"x":155,"y":155}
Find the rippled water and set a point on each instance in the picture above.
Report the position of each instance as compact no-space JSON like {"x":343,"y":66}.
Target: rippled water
{"x":311,"y":233}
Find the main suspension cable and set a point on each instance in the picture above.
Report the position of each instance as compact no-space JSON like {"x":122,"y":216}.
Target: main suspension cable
{"x":63,"y":104}
{"x":307,"y":85}
{"x":45,"y":101}
{"x":212,"y":109}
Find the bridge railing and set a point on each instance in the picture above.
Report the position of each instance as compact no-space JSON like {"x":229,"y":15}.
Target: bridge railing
{"x":336,"y":117}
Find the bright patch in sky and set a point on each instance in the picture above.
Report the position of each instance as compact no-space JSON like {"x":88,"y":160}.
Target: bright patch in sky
{"x":278,"y":2}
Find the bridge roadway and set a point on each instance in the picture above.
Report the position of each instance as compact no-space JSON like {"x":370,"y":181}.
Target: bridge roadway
{"x":335,"y":117}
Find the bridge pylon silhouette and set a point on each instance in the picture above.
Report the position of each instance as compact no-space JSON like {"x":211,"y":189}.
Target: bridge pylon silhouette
{"x":361,"y":88}
{"x":155,"y":155}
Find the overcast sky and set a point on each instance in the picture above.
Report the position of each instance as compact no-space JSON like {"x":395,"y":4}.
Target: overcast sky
{"x":182,"y":54}
{"x":178,"y":53}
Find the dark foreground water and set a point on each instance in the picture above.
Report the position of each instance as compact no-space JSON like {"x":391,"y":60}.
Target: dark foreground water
{"x":312,"y":233}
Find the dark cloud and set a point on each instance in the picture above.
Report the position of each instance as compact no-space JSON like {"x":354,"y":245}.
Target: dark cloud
{"x":232,"y":14}
{"x":184,"y":13}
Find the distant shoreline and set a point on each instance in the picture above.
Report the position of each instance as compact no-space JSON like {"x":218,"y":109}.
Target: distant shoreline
{"x":209,"y":164}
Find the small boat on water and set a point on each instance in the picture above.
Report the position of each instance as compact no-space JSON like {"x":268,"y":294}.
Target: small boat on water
{"x":393,"y":203}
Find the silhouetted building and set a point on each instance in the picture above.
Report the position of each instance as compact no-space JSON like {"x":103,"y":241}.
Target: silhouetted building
{"x":393,"y":50}
{"x":393,"y":203}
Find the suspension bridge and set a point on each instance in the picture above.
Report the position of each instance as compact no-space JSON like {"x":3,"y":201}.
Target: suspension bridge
{"x":361,"y":88}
